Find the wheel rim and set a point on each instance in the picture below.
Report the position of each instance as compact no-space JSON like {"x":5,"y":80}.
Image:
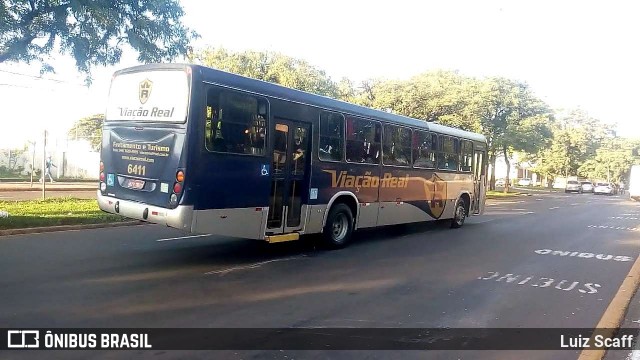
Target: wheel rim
{"x":340,"y":227}
{"x":460,"y":215}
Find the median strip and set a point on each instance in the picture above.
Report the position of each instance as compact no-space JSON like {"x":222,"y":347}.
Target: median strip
{"x":60,"y":214}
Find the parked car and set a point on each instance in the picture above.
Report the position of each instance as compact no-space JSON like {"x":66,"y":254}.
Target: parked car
{"x":500,"y":182}
{"x":603,"y":188}
{"x":524,"y":182}
{"x":587,"y":186}
{"x":573,"y":186}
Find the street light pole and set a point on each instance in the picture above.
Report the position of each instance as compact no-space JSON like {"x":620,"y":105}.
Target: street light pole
{"x":44,"y":164}
{"x":33,"y":160}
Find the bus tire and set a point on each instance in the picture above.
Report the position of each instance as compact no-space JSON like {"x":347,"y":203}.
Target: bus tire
{"x":337,"y":231}
{"x":459,"y":215}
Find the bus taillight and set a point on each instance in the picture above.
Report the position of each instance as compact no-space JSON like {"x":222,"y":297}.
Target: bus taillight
{"x":177,"y":188}
{"x":101,"y":166}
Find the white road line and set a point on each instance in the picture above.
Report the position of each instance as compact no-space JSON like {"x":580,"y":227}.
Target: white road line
{"x":252,"y":266}
{"x":612,"y":227}
{"x":555,"y":207}
{"x":182,"y":237}
{"x":539,"y":199}
{"x":574,"y":204}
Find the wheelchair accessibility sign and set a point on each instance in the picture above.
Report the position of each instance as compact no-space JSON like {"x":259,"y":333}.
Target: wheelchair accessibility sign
{"x":265,"y":170}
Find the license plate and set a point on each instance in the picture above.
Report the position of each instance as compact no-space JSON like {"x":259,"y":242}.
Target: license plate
{"x":134,"y":184}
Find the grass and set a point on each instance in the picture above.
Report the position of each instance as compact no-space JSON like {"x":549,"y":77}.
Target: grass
{"x":492,"y":194}
{"x":52,"y":212}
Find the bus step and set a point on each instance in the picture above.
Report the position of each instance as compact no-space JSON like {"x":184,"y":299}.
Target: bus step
{"x":282,"y":238}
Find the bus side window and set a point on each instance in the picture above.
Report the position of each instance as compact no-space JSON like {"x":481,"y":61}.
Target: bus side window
{"x":466,"y":156}
{"x":235,"y":123}
{"x":424,"y":146}
{"x":331,"y":145}
{"x":363,"y":141}
{"x":397,"y":146}
{"x":448,"y":155}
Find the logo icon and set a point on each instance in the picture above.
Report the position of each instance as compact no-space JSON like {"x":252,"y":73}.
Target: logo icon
{"x":436,"y":194}
{"x":110,"y":179}
{"x":144,"y":90}
{"x":21,"y":339}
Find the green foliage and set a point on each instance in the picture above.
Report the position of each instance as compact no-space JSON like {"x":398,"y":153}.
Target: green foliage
{"x":276,"y":68}
{"x":576,"y":138}
{"x":438,"y":96}
{"x":92,"y":31}
{"x":89,"y":128}
{"x":611,"y":162}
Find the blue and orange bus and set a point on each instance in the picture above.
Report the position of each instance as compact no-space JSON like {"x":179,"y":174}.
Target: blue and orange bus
{"x":211,"y":152}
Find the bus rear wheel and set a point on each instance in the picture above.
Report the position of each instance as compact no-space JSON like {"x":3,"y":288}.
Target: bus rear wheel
{"x":337,"y":231}
{"x":459,"y":215}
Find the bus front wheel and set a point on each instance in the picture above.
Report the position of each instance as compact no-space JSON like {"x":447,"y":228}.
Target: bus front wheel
{"x":459,"y":215}
{"x":337,"y":231}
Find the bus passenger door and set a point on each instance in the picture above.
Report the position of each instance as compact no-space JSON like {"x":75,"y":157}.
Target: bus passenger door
{"x":289,"y":182}
{"x":479,"y":182}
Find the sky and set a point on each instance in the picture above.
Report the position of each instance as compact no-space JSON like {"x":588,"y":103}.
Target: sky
{"x":573,"y":54}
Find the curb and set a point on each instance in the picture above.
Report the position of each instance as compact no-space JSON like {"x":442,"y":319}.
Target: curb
{"x":47,"y":229}
{"x":489,"y":197}
{"x":614,"y":315}
{"x":85,"y":188}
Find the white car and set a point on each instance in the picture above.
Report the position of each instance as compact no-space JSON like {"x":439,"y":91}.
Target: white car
{"x":587,"y":186}
{"x":573,"y":186}
{"x":524,"y":182}
{"x":603,"y":188}
{"x":500,"y":182}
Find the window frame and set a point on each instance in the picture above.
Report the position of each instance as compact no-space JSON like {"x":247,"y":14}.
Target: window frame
{"x":358,"y":118}
{"x":344,"y":136}
{"x":268,"y":121}
{"x":383,"y":136}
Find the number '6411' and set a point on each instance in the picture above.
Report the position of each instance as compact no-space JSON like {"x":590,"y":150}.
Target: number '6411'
{"x":136,"y":169}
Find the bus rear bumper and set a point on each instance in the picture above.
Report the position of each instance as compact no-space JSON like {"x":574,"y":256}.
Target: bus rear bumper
{"x":179,"y":218}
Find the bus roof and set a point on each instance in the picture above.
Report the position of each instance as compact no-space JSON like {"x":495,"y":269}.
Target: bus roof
{"x":274,"y":90}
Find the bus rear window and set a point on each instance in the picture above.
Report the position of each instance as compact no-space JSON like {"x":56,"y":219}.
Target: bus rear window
{"x":159,"y":96}
{"x":235,"y":122}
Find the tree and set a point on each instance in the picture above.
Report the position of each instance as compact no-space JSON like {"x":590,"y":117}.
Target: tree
{"x":273,"y":67}
{"x":512,"y":118}
{"x":576,"y":138}
{"x":89,"y":128}
{"x":92,"y":31}
{"x":611,"y":162}
{"x":435,"y":96}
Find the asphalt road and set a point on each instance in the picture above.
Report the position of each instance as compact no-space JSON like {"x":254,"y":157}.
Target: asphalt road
{"x":424,"y":276}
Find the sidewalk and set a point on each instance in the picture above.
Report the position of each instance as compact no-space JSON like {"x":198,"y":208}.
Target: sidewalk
{"x":56,"y":186}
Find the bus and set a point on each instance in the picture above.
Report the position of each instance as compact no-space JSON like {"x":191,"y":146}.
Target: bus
{"x":210,"y":152}
{"x":634,"y":183}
